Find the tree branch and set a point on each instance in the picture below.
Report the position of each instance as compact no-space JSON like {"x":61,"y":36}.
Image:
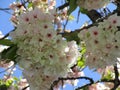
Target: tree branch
{"x":71,"y":78}
{"x":5,"y":9}
{"x":8,"y":34}
{"x":76,"y":31}
{"x":25,"y":87}
{"x":116,"y":80}
{"x":63,"y":6}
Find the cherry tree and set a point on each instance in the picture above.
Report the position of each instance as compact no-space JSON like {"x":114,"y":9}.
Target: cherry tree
{"x":50,"y":56}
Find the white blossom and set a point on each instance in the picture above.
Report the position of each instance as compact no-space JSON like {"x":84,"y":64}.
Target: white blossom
{"x":41,"y":51}
{"x":102,"y":43}
{"x":92,"y":4}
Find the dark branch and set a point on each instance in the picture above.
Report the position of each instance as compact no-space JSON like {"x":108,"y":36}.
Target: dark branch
{"x":5,"y":9}
{"x":72,"y":78}
{"x":84,"y":86}
{"x":93,"y":15}
{"x":63,"y":6}
{"x":76,"y":31}
{"x":8,"y":34}
{"x":25,"y":87}
{"x":116,"y":80}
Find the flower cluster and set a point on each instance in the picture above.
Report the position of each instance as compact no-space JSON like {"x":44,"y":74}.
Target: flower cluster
{"x":60,"y":17}
{"x":21,"y":7}
{"x":43,"y":4}
{"x":102,"y":43}
{"x":98,"y":86}
{"x":92,"y":4}
{"x":17,"y":85}
{"x":107,"y":72}
{"x":43,"y":53}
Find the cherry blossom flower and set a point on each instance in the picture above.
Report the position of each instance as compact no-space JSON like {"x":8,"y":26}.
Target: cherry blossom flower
{"x":90,"y":4}
{"x":41,"y":50}
{"x":102,"y":43}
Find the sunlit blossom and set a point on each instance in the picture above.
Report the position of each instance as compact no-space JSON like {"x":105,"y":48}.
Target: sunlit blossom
{"x":41,"y":51}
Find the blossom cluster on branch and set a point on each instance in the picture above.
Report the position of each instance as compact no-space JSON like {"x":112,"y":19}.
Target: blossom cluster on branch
{"x":50,"y":60}
{"x":42,"y":53}
{"x":102,"y":43}
{"x":90,"y":4}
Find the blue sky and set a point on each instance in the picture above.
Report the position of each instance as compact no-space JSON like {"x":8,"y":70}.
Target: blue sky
{"x":6,"y":26}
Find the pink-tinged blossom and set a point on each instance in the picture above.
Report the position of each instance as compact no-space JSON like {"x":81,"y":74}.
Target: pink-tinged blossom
{"x":92,"y":4}
{"x":98,"y":86}
{"x":41,"y":50}
{"x":52,"y":4}
{"x":114,"y":20}
{"x":102,"y":43}
{"x":92,"y":87}
{"x":15,"y":5}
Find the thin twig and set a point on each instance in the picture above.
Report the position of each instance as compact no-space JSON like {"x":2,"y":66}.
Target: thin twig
{"x":5,"y":9}
{"x":10,"y":72}
{"x":5,"y":70}
{"x":64,"y":25}
{"x":25,"y":87}
{"x":63,"y":6}
{"x":116,"y":80}
{"x":76,"y":31}
{"x":71,"y":78}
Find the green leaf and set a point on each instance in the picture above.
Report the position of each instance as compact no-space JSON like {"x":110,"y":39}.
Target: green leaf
{"x":72,"y":5}
{"x":15,"y":78}
{"x":6,"y":42}
{"x":9,"y":82}
{"x":3,"y":87}
{"x":71,"y":17}
{"x":83,"y":50}
{"x":16,"y":87}
{"x":86,"y":88}
{"x":81,"y":62}
{"x":84,"y":11}
{"x":9,"y":53}
{"x":108,"y":76}
{"x":30,"y":5}
{"x":72,"y":36}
